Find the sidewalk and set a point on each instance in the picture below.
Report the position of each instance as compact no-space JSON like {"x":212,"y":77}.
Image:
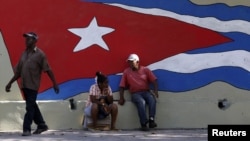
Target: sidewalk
{"x":123,"y":135}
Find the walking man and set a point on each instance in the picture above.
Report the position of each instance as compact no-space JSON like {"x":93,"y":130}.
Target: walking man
{"x":29,"y":69}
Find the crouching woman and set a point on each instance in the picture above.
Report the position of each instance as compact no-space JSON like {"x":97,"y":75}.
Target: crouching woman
{"x":100,"y":102}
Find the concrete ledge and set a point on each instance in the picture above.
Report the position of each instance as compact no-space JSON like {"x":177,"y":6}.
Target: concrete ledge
{"x":193,"y":110}
{"x":57,"y":115}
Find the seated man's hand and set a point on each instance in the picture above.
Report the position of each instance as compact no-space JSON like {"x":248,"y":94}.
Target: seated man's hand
{"x":121,"y":101}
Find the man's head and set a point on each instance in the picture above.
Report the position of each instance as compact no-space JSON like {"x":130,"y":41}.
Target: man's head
{"x":31,"y":35}
{"x":31,"y":39}
{"x":133,"y":57}
{"x":133,"y":61}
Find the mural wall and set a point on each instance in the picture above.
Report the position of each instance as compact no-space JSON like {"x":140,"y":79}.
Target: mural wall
{"x":199,"y":50}
{"x":189,"y":44}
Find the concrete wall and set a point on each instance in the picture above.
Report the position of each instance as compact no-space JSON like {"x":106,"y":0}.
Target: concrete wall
{"x":196,"y":109}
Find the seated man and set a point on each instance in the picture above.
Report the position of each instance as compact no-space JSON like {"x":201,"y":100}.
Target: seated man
{"x":100,"y":102}
{"x":137,"y":79}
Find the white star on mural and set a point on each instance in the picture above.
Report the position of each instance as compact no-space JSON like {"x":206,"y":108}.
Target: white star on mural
{"x":91,"y":35}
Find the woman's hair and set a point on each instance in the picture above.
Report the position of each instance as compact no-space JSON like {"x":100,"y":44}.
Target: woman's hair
{"x":101,"y":78}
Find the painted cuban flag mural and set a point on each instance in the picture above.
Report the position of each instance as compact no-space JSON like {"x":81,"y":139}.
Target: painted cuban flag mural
{"x":187,"y":44}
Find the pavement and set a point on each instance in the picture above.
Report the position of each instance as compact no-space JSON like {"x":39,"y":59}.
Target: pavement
{"x":121,"y":135}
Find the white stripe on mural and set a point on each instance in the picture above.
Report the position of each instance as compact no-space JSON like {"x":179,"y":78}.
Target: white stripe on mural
{"x":190,"y":63}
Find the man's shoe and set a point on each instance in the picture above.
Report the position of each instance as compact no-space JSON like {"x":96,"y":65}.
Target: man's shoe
{"x":26,"y":133}
{"x":40,"y":130}
{"x":144,"y":128}
{"x":152,"y":124}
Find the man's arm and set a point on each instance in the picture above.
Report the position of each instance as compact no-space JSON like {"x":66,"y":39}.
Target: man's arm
{"x":122,"y":99}
{"x":52,"y":78}
{"x":155,"y":84}
{"x":13,"y":79}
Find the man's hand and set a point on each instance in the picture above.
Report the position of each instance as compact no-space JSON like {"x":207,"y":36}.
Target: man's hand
{"x":121,"y":101}
{"x":156,"y":94}
{"x":7,"y":88}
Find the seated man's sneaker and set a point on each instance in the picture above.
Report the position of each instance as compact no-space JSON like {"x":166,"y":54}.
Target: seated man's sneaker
{"x":144,"y":127}
{"x":152,"y":124}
